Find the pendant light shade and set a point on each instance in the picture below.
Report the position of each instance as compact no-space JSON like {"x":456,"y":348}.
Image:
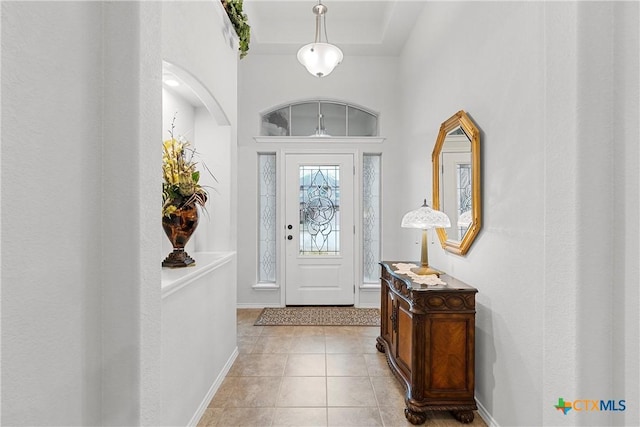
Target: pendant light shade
{"x":320,"y":58}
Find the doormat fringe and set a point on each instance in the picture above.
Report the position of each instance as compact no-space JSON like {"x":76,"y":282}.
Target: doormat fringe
{"x":318,"y":316}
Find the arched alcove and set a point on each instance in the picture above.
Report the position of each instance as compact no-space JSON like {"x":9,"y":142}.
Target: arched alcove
{"x":200,"y":119}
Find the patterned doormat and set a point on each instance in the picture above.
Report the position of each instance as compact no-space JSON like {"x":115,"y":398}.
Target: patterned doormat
{"x":319,"y":316}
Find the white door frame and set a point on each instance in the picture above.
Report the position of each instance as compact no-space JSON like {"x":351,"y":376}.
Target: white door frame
{"x":357,"y":209}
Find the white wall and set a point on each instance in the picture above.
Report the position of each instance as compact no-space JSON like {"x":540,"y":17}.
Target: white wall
{"x":198,"y":303}
{"x":198,"y":335}
{"x":216,"y":146}
{"x":51,"y":197}
{"x":626,"y":199}
{"x":130,"y":293}
{"x":548,"y":92}
{"x":81,"y":306}
{"x":78,"y":188}
{"x":475,"y":65}
{"x":269,"y":80}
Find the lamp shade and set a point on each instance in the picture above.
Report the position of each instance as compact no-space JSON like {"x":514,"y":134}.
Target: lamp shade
{"x":425,"y":218}
{"x":320,"y":58}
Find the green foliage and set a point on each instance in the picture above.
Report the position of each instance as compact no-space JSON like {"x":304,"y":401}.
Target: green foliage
{"x":240,"y":23}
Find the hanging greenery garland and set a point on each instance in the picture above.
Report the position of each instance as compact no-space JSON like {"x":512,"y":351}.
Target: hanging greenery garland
{"x":240,"y":23}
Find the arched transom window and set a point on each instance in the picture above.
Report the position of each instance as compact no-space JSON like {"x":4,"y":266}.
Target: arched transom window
{"x":322,"y":118}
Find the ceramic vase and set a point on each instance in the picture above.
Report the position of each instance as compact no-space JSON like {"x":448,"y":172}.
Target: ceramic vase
{"x":179,"y":227}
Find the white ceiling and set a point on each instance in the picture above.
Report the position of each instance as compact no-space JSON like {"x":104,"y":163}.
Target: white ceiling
{"x":358,"y":27}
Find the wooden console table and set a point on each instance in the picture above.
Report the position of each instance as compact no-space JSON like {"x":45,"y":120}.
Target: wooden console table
{"x":428,"y":335}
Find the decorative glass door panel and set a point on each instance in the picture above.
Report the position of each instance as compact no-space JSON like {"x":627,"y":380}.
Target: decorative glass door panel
{"x":319,"y":229}
{"x":319,"y":210}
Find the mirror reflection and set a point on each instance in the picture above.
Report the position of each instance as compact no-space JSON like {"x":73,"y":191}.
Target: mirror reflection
{"x":456,"y":181}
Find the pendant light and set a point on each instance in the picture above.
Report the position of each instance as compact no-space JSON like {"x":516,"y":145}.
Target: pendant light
{"x":320,"y":58}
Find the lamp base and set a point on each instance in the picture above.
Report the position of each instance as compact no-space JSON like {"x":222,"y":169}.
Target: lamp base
{"x":423,"y":271}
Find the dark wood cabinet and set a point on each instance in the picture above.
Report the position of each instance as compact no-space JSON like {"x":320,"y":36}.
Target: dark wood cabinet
{"x":428,"y":335}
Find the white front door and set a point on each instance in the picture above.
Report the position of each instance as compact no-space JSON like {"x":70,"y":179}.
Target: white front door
{"x":319,"y":227}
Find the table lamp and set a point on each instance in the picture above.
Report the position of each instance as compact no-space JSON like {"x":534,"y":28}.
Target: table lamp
{"x":425,"y":218}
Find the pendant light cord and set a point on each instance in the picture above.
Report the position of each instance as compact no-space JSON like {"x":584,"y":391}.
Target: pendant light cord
{"x":326,"y":37}
{"x":318,"y":34}
{"x":321,"y":23}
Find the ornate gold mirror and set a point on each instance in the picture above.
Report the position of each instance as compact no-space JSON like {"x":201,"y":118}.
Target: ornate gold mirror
{"x":456,"y":181}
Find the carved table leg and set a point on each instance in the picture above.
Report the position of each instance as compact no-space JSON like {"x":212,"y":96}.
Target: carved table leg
{"x":415,"y":417}
{"x":379,"y":345}
{"x":463,"y":416}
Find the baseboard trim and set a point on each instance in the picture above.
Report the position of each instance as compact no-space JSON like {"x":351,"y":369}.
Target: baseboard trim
{"x":256,"y":305}
{"x":369,"y":305}
{"x":486,"y":416}
{"x":263,"y":305}
{"x":213,"y":389}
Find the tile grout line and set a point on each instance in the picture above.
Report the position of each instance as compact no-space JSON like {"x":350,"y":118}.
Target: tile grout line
{"x":375,"y":395}
{"x":275,"y":404}
{"x":326,"y":379}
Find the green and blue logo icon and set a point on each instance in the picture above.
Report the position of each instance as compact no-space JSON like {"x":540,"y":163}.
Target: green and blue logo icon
{"x":563,"y":406}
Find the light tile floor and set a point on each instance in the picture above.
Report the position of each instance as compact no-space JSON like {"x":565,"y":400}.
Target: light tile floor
{"x":310,"y":376}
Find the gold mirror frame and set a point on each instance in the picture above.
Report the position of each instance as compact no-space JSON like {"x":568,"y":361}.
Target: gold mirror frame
{"x":462,"y":120}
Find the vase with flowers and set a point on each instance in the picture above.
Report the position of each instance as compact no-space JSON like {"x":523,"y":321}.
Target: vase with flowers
{"x":181,"y":196}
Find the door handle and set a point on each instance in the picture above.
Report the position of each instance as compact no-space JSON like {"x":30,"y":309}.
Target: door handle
{"x":289,"y":237}
{"x":289,"y":227}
